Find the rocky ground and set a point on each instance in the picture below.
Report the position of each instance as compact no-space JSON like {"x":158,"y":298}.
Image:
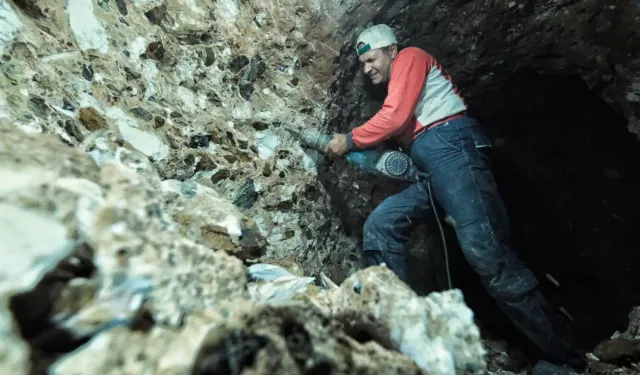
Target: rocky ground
{"x":146,"y":178}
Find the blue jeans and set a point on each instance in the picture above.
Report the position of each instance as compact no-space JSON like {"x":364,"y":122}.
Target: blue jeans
{"x":463,"y":185}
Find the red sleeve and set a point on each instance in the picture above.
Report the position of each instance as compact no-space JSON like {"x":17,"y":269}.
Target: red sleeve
{"x":408,"y":74}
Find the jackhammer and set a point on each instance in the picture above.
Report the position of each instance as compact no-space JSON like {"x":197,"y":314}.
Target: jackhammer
{"x":391,"y":163}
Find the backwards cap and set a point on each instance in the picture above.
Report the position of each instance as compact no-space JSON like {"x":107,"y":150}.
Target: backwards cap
{"x":376,"y":36}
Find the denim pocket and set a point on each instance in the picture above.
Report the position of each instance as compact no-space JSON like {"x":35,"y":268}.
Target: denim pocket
{"x":449,"y":134}
{"x":460,"y":133}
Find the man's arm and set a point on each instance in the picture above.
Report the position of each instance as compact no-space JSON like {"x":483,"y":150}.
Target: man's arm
{"x":405,"y":85}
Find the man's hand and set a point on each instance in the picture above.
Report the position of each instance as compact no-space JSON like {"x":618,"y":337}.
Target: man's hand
{"x":337,"y":147}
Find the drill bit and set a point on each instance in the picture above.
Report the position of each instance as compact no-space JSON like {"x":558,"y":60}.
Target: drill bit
{"x":315,"y":139}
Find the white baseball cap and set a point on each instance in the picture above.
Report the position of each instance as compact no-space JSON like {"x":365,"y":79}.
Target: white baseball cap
{"x":376,"y":36}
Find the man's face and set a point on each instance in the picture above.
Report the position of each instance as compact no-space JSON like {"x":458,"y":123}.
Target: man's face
{"x":377,"y":63}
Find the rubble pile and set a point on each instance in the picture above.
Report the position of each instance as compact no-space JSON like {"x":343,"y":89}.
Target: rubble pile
{"x":620,"y":354}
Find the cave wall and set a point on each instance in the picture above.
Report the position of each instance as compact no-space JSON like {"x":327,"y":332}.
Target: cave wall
{"x":199,"y":87}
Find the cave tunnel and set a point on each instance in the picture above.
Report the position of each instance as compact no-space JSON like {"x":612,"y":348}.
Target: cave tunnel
{"x":564,"y":164}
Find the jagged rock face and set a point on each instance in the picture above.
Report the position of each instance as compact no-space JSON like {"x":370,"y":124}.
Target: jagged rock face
{"x":200,"y":88}
{"x":58,"y":203}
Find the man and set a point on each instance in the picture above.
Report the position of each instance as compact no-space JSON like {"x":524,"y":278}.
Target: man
{"x":425,"y":113}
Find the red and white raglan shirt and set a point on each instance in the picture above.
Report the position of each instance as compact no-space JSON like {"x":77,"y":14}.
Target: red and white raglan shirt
{"x":420,"y":95}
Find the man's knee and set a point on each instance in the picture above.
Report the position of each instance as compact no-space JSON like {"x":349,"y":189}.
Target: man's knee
{"x":378,"y":227}
{"x":389,"y":225}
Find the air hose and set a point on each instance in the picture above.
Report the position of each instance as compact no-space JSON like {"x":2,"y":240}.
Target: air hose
{"x":445,"y":251}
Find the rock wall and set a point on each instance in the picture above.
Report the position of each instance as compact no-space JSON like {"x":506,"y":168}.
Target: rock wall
{"x":200,"y":88}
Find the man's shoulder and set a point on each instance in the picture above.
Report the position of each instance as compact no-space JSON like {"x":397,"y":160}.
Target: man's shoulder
{"x":415,"y":52}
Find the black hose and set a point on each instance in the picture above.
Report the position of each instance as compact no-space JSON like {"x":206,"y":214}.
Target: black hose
{"x":444,"y":241}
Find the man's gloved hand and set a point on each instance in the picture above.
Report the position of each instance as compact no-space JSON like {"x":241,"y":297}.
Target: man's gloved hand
{"x":337,"y":147}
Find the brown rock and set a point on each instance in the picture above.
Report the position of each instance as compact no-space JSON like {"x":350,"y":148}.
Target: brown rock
{"x":91,"y":119}
{"x":205,"y":163}
{"x":619,"y":349}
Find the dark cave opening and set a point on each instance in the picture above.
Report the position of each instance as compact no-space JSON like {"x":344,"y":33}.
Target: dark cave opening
{"x":565,"y":166}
